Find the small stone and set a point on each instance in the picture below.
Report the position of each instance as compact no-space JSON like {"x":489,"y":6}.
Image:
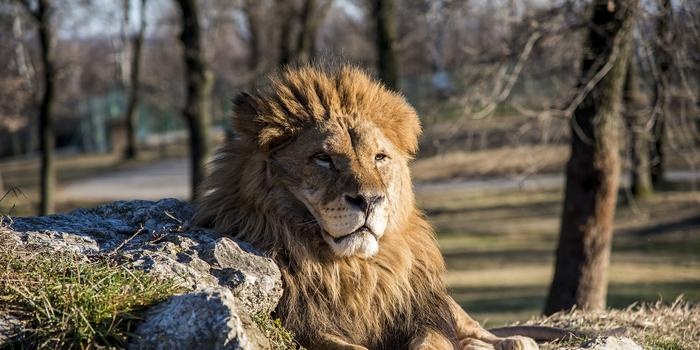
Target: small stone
{"x":611,"y":343}
{"x":10,"y":328}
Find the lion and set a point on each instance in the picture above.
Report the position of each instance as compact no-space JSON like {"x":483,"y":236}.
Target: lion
{"x":317,"y":177}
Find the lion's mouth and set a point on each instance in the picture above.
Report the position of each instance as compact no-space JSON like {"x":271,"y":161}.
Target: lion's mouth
{"x":360,"y":231}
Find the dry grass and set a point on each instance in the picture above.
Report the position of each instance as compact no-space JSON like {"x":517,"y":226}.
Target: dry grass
{"x":491,"y":162}
{"x":655,"y":326}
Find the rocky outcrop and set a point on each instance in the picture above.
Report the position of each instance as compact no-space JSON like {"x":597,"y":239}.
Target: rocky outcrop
{"x":228,"y":280}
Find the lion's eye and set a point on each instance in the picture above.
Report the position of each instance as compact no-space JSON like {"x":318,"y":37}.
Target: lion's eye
{"x":380,"y":157}
{"x":322,"y":159}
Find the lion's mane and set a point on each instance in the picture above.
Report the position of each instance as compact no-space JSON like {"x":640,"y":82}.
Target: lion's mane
{"x":378,"y":302}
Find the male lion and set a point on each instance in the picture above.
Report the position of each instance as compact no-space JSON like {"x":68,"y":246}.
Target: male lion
{"x":318,"y":178}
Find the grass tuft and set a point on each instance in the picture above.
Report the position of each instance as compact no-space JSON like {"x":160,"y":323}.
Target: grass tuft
{"x":70,"y":302}
{"x":663,"y":343}
{"x":280,"y":338}
{"x":654,"y":326}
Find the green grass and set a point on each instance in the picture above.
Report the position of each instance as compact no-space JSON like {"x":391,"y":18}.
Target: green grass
{"x":663,"y":343}
{"x":73,"y":303}
{"x":279,"y":337}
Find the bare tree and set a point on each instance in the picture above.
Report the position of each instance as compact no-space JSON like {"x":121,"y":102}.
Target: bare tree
{"x":592,"y":173}
{"x":664,"y":58}
{"x":299,"y":28}
{"x":639,"y":133}
{"x":384,"y":13}
{"x":199,"y":83}
{"x":42,"y":16}
{"x":131,"y":117}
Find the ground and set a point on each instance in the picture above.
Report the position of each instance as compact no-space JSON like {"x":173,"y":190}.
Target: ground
{"x":655,"y":326}
{"x":499,"y":246}
{"x":497,"y":231}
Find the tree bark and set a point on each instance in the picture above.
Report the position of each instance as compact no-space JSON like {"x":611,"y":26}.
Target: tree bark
{"x":198,"y":80}
{"x":639,"y":133}
{"x":384,"y":12}
{"x":664,"y":60}
{"x":132,"y":118}
{"x":592,"y":172}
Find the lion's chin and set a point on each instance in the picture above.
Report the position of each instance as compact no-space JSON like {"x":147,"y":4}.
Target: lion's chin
{"x":362,"y":244}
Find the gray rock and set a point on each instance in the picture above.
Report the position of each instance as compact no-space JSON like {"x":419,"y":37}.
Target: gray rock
{"x":157,"y":237}
{"x":255,"y":283}
{"x":607,"y":343}
{"x":206,"y":319}
{"x":612,"y":343}
{"x":10,"y":328}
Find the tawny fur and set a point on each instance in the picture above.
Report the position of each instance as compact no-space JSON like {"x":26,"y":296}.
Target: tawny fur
{"x":393,"y":300}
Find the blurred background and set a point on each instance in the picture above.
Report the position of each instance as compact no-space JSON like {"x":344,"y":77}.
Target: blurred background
{"x":104,"y":100}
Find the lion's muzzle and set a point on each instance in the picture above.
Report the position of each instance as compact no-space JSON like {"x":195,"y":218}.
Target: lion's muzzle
{"x":352,"y":224}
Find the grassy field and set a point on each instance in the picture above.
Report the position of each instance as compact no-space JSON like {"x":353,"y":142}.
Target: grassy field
{"x":499,"y":248}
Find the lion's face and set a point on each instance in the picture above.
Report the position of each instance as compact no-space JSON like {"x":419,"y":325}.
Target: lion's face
{"x":346,"y":177}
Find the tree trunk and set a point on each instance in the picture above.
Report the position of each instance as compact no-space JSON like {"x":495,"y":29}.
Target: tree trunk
{"x":664,"y":60}
{"x":198,"y":78}
{"x":385,"y":17}
{"x":132,"y":118}
{"x":288,"y":13}
{"x":639,"y":133}
{"x":46,"y":133}
{"x":311,"y":17}
{"x":252,"y":10}
{"x":592,"y":173}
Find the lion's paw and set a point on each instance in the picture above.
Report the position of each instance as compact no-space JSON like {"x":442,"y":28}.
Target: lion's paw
{"x":474,"y":344}
{"x":516,"y":343}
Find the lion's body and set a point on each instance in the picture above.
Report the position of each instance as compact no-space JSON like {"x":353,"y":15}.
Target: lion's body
{"x":390,"y":298}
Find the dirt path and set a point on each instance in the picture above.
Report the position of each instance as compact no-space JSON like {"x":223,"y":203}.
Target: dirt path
{"x":160,"y":179}
{"x":170,"y":178}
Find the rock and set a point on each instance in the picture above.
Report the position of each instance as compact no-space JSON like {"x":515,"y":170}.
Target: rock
{"x":607,"y":343}
{"x":611,"y":343}
{"x":206,"y":319}
{"x":157,"y":237}
{"x":255,"y":284}
{"x":10,"y":327}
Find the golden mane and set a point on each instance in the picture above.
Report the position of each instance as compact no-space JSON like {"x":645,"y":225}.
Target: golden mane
{"x":378,"y":302}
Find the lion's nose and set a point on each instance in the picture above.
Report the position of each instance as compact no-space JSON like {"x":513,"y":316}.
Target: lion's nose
{"x":363,"y":202}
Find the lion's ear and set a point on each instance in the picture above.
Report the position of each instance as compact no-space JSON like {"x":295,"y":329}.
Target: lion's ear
{"x":256,"y":121}
{"x":244,"y":114}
